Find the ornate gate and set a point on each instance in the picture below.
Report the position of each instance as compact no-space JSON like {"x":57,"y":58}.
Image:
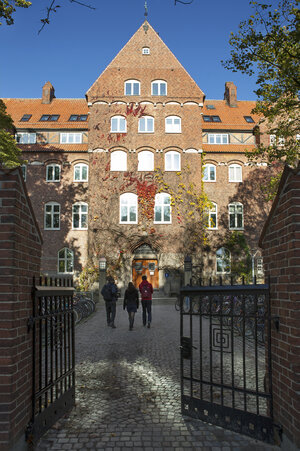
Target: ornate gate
{"x":226,"y":374}
{"x":53,"y":376}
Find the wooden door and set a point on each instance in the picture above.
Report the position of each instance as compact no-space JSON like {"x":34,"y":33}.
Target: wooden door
{"x":147,"y":267}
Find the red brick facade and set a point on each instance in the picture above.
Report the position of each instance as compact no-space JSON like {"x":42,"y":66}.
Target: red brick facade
{"x":20,"y":253}
{"x":280,"y":241}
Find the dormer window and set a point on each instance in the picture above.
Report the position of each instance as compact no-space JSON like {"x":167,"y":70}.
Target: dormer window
{"x":249,"y":119}
{"x":132,"y":88}
{"x":25,"y":117}
{"x":78,"y":117}
{"x":159,"y":88}
{"x":146,"y":51}
{"x":211,"y":118}
{"x":49,"y":117}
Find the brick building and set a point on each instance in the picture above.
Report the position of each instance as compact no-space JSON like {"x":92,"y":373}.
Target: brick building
{"x":143,"y":172}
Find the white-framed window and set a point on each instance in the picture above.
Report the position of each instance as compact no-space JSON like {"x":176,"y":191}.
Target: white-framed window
{"x":118,"y":124}
{"x":146,"y":124}
{"x":172,"y":161}
{"x":80,"y":216}
{"x":118,"y":161}
{"x":52,"y":216}
{"x":145,"y":161}
{"x":24,"y":171}
{"x":211,"y":216}
{"x":173,"y":124}
{"x":159,"y":88}
{"x":236,"y":215}
{"x":65,"y":261}
{"x":276,"y":141}
{"x":235,"y":173}
{"x":218,"y":138}
{"x":128,"y":208}
{"x":71,"y":138}
{"x":132,"y":88}
{"x":209,"y":173}
{"x":223,"y":260}
{"x":53,"y":173}
{"x":146,"y":51}
{"x":162,"y":209}
{"x":81,"y":172}
{"x":26,"y":138}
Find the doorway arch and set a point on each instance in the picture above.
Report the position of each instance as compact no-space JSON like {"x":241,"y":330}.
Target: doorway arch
{"x":145,"y":262}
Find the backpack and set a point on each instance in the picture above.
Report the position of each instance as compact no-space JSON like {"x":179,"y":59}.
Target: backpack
{"x":107,"y":292}
{"x":146,"y":291}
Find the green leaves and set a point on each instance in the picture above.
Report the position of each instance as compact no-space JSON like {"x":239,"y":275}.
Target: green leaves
{"x":8,"y":7}
{"x":10,"y":154}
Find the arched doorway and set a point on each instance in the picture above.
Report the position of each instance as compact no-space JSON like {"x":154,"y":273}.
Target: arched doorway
{"x":145,"y":263}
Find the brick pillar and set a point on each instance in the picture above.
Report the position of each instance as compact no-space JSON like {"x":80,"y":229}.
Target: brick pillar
{"x":20,"y":253}
{"x":281,"y":250}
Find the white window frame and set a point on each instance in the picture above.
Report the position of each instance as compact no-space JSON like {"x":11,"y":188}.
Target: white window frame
{"x":81,"y":214}
{"x":211,"y":211}
{"x":131,"y":83}
{"x":213,"y":138}
{"x":236,"y":214}
{"x":223,"y":256}
{"x":81,"y":166}
{"x":207,"y":173}
{"x":147,"y":120}
{"x":163,"y":207}
{"x":118,"y":120}
{"x":172,"y":127}
{"x":66,"y":258}
{"x":129,"y":201}
{"x":170,"y":155}
{"x":53,"y":178}
{"x":118,"y":160}
{"x":25,"y":138}
{"x":235,"y":173}
{"x":146,"y":50}
{"x":52,"y":215}
{"x":145,"y":161}
{"x":274,"y":141}
{"x":70,"y":138}
{"x":159,"y":83}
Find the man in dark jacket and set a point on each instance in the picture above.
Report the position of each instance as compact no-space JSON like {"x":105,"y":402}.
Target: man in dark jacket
{"x":146,"y":290}
{"x":110,"y":295}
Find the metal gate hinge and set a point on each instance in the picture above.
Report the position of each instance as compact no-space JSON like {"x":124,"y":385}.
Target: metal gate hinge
{"x":30,"y":323}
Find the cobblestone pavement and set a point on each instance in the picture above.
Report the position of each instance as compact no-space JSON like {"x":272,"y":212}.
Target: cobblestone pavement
{"x":128,"y":392}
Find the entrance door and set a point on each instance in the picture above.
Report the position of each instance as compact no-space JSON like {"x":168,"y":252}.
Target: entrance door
{"x":147,"y":267}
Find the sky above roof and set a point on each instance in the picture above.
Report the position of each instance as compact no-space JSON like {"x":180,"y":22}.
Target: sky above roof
{"x":79,"y":43}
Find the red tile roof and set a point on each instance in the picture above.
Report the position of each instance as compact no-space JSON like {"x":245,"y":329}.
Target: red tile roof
{"x":64,"y":107}
{"x":53,"y":147}
{"x":232,"y":118}
{"x":239,"y":148}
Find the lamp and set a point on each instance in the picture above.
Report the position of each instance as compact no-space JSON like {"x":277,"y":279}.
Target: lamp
{"x":102,"y":264}
{"x":187,"y":263}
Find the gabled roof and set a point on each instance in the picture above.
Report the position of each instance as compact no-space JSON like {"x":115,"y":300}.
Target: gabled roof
{"x":232,"y":118}
{"x":64,"y":107}
{"x":131,"y":63}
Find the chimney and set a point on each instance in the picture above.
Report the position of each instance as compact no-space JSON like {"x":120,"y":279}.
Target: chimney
{"x":48,"y":93}
{"x":230,"y":94}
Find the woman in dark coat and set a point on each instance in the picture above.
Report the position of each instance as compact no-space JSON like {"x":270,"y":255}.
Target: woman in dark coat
{"x":131,"y":302}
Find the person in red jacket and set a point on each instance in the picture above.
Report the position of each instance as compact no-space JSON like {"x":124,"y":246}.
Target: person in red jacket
{"x":146,"y":290}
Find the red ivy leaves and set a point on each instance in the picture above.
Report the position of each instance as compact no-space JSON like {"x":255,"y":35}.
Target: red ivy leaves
{"x":135,"y":110}
{"x":146,"y":198}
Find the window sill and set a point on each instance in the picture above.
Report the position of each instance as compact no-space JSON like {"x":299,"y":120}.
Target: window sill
{"x":146,"y":133}
{"x":163,"y":223}
{"x":52,"y":181}
{"x":80,"y":181}
{"x":236,"y":228}
{"x":209,"y":181}
{"x":128,"y":223}
{"x":79,"y":228}
{"x":51,"y":229}
{"x":235,"y":181}
{"x":173,"y":133}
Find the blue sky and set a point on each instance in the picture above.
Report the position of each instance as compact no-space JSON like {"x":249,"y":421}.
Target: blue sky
{"x":79,"y":43}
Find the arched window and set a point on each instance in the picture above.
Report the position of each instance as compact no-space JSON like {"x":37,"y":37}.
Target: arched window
{"x":53,"y":173}
{"x":118,"y":161}
{"x":146,"y":161}
{"x":80,"y":216}
{"x":52,"y":216}
{"x":65,"y":261}
{"x":132,"y":88}
{"x":172,"y":161}
{"x":209,"y":173}
{"x":146,"y":124}
{"x":223,"y":260}
{"x":118,"y":124}
{"x":235,"y":173}
{"x":236,"y":215}
{"x":128,"y":208}
{"x":159,"y":88}
{"x":81,"y":171}
{"x":173,"y":124}
{"x":162,"y":208}
{"x":211,"y":217}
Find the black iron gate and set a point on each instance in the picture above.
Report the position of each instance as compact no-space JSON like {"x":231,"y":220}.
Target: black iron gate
{"x":52,"y":326}
{"x":226,"y":374}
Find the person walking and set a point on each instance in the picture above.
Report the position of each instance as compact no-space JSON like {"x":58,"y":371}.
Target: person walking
{"x":146,"y":290}
{"x":131,"y":302}
{"x":110,"y":296}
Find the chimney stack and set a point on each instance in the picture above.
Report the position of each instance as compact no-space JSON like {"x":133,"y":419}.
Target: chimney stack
{"x":230,"y":94}
{"x":48,"y":93}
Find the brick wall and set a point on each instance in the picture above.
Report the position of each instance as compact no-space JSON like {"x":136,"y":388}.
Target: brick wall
{"x":20,"y":253}
{"x":280,"y":241}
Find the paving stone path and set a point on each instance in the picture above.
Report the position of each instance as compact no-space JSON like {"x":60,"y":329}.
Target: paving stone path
{"x":128,"y":392}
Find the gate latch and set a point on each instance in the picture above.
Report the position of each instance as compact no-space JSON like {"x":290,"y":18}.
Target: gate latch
{"x":186,"y":347}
